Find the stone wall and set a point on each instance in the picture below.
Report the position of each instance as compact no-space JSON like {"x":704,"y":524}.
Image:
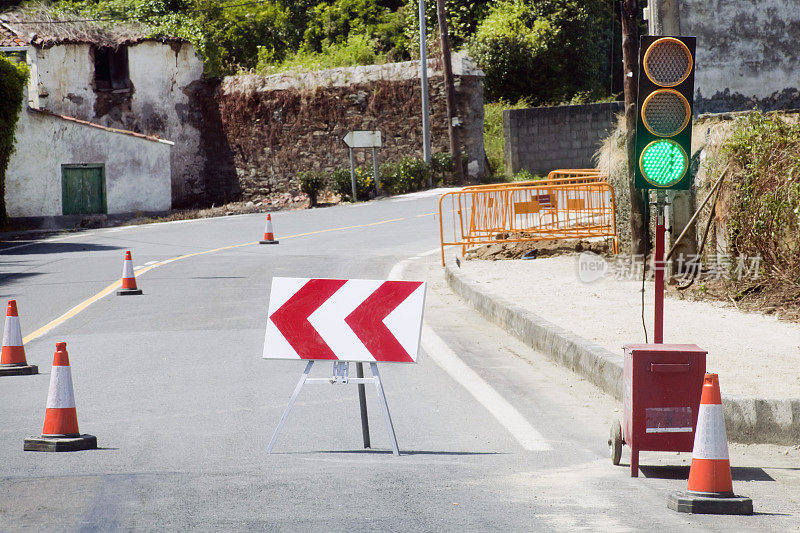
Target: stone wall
{"x":279,"y":125}
{"x":747,"y":53}
{"x":542,"y":139}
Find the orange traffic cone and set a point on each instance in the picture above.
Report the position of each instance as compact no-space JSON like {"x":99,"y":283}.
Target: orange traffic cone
{"x":60,"y":432}
{"x":710,"y":488}
{"x":128,"y":278}
{"x":269,"y":237}
{"x":12,"y":360}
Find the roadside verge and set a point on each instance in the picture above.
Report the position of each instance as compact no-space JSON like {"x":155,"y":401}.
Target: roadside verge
{"x":748,"y":420}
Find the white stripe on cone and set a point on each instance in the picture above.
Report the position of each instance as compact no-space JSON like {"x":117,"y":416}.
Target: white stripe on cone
{"x":127,"y":269}
{"x":12,"y":335}
{"x":710,"y":438}
{"x":60,"y":395}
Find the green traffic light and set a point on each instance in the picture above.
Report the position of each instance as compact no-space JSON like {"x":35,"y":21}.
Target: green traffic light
{"x":663,"y":163}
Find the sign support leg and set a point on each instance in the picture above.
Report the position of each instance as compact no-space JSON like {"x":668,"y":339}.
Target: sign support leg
{"x":362,"y":401}
{"x":296,"y":392}
{"x":384,"y":407}
{"x":353,"y":175}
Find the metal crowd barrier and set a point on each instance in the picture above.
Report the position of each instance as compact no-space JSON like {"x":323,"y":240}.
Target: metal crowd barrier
{"x":554,"y":177}
{"x":549,"y":209}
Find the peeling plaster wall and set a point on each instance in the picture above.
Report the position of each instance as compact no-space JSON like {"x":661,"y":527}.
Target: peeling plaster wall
{"x":164,"y":78}
{"x":137,"y":170}
{"x":747,"y":53}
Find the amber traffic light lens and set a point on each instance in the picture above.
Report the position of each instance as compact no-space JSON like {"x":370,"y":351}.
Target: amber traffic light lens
{"x":666,"y":112}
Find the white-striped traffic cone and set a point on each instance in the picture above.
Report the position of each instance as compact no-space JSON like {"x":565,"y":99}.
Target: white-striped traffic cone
{"x":60,"y":432}
{"x":710,"y":487}
{"x":269,"y":236}
{"x":12,"y":360}
{"x":128,"y":278}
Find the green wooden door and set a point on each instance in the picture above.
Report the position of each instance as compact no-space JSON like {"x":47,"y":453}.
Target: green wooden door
{"x":83,"y":189}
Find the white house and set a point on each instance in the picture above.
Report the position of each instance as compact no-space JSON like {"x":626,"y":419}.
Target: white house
{"x":100,"y":105}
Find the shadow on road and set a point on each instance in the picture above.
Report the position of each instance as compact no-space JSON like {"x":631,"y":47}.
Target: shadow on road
{"x":738,"y":473}
{"x":57,"y":248}
{"x":409,"y":452}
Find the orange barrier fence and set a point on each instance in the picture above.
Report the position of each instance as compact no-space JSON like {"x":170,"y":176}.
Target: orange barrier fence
{"x":554,"y":177}
{"x":548,"y":210}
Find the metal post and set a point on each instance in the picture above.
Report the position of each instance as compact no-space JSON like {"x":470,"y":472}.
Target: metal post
{"x":423,"y":74}
{"x":375,"y":173}
{"x":384,"y":407}
{"x":296,"y":392}
{"x":353,"y":173}
{"x":362,"y":402}
{"x":658,"y":264}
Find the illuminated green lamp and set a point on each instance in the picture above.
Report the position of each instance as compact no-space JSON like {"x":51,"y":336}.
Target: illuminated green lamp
{"x":663,"y":163}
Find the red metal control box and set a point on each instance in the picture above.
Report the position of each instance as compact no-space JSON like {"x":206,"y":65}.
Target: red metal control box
{"x":661,"y":397}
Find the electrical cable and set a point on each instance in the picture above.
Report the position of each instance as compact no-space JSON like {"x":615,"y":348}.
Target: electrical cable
{"x":644,"y":276}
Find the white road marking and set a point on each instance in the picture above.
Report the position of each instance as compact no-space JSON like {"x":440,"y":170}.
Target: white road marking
{"x":505,"y":413}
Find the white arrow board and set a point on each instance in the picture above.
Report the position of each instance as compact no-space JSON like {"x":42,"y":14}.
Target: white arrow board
{"x":363,"y":139}
{"x":346,"y":320}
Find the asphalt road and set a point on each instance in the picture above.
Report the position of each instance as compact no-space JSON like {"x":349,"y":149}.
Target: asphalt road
{"x":493,"y":436}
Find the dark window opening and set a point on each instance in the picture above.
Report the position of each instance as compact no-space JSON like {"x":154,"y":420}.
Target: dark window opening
{"x":111,"y":69}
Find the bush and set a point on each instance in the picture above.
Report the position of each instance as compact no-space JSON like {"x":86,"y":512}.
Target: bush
{"x":493,"y":139}
{"x":342,"y":184}
{"x":545,"y":50}
{"x":13,"y":78}
{"x":764,"y":215}
{"x":442,"y":167}
{"x":311,"y":182}
{"x":410,"y":174}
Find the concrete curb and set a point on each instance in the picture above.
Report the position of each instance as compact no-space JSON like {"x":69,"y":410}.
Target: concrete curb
{"x":747,"y":420}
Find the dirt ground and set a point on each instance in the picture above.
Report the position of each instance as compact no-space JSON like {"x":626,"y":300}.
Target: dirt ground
{"x":536,"y":249}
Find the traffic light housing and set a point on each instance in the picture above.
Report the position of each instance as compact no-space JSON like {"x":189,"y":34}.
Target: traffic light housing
{"x":664,"y":107}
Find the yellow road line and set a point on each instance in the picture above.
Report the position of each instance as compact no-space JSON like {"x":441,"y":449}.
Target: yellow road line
{"x":92,"y":299}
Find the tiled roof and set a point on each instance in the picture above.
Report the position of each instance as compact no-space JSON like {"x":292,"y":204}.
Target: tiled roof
{"x":93,"y":125}
{"x":8,"y":37}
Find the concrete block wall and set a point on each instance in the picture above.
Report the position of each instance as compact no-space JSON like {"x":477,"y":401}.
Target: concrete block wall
{"x":541,"y":139}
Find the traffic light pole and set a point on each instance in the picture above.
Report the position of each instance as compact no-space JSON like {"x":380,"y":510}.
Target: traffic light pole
{"x":658,"y":266}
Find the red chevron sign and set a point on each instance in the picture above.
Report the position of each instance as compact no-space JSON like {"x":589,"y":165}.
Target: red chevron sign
{"x":346,"y":320}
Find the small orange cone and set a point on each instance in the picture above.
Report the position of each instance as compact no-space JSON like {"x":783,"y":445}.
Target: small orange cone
{"x":128,"y":278}
{"x":710,"y":488}
{"x":269,"y":236}
{"x":12,"y":360}
{"x":60,"y":432}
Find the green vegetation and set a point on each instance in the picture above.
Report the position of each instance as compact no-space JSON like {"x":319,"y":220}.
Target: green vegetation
{"x":13,"y":78}
{"x":763,"y":153}
{"x":548,"y":51}
{"x":409,"y":175}
{"x":493,"y":140}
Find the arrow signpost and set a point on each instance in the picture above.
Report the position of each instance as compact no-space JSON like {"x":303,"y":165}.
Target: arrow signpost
{"x":344,"y":321}
{"x":363,"y":139}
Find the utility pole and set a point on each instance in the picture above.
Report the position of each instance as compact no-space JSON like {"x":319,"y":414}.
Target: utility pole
{"x":423,"y":74}
{"x":450,"y":92}
{"x":629,"y":15}
{"x":664,"y":19}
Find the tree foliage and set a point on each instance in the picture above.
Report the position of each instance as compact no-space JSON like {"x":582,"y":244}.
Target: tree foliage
{"x":13,"y":78}
{"x":547,"y":51}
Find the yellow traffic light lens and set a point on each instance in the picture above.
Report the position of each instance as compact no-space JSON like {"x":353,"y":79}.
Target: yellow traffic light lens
{"x":666,"y":112}
{"x":667,"y":62}
{"x":663,"y":163}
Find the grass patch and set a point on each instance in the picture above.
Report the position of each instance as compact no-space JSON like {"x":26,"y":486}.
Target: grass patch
{"x":493,"y":140}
